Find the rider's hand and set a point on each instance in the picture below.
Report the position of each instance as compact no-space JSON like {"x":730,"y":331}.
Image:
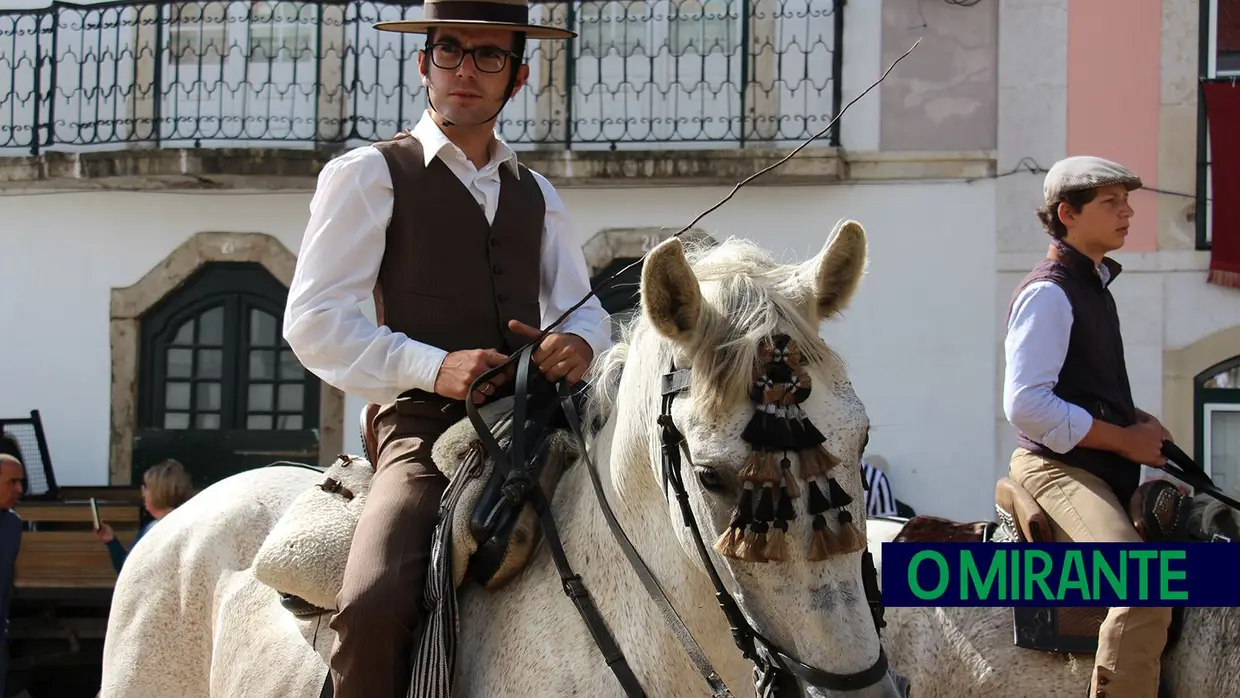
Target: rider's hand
{"x":560,"y":355}
{"x":1147,"y":417}
{"x":460,"y":368}
{"x":1143,"y":444}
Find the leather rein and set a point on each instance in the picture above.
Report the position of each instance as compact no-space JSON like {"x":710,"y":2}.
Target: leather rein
{"x":775,"y":670}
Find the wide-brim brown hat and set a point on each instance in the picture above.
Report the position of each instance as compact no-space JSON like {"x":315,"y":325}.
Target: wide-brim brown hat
{"x":495,"y":14}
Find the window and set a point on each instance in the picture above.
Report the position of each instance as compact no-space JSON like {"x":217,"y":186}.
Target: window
{"x":1218,"y":422}
{"x":282,"y":32}
{"x":214,"y":358}
{"x":611,"y":28}
{"x":703,"y":27}
{"x":197,"y":32}
{"x":1224,"y":37}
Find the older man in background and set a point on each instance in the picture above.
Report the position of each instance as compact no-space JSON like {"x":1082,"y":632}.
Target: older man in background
{"x":12,"y":477}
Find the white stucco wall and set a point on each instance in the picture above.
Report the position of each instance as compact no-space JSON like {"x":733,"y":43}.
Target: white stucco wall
{"x":918,"y":337}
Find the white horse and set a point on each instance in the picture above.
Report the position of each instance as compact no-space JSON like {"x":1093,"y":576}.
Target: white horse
{"x":190,"y":619}
{"x":969,"y":652}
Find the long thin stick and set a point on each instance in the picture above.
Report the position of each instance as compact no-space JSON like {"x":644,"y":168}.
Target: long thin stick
{"x":611,"y":279}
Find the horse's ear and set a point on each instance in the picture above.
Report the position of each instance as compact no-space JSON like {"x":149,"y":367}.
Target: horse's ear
{"x":671,"y":297}
{"x":838,"y":270}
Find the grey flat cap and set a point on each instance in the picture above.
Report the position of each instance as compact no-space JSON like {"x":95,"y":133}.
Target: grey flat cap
{"x":1086,"y":172}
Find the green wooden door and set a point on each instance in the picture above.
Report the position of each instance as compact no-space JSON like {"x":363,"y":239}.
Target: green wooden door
{"x":219,"y":389}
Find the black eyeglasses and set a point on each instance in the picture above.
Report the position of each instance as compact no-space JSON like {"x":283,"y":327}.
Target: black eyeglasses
{"x":488,"y":59}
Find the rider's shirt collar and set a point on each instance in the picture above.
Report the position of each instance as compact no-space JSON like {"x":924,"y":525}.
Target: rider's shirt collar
{"x":434,"y":142}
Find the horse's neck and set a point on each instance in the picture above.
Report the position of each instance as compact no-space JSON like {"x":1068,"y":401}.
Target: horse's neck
{"x":641,"y":510}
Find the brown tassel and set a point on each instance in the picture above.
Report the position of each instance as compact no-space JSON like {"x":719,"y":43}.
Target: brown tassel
{"x":847,"y":539}
{"x":789,"y":482}
{"x":775,"y":547}
{"x":752,"y":543}
{"x":753,"y":466}
{"x":818,"y":545}
{"x":816,"y":461}
{"x":728,"y":541}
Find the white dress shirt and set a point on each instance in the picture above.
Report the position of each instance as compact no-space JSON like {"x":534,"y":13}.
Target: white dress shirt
{"x":1035,"y":348}
{"x":339,"y":263}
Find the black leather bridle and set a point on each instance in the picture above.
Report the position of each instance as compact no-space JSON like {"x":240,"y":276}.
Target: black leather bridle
{"x":776,"y":670}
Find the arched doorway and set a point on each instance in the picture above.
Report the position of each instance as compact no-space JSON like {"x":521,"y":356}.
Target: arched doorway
{"x":218,"y":388}
{"x":1216,"y":417}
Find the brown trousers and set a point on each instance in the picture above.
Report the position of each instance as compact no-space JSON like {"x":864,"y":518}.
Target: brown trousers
{"x":1083,"y":508}
{"x":380,"y":602}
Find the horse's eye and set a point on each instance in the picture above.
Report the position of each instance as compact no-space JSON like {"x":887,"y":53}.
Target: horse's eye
{"x":709,"y":477}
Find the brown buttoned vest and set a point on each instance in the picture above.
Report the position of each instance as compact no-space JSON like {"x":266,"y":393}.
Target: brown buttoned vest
{"x":448,"y":278}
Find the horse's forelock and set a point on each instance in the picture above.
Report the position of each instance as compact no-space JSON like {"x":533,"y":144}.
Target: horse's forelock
{"x":748,"y":297}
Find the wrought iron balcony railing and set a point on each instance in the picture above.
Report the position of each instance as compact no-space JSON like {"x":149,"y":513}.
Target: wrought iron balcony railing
{"x":296,"y":74}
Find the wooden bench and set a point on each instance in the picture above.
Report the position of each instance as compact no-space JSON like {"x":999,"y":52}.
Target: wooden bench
{"x":59,"y":548}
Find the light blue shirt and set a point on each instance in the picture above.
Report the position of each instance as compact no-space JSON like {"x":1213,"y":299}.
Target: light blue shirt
{"x":1037,"y":342}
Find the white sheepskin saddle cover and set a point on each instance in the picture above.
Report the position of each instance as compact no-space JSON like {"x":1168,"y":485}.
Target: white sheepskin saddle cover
{"x":305,"y":553}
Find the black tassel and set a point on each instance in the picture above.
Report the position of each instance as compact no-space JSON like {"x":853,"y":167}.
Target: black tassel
{"x":779,"y":435}
{"x":839,"y":498}
{"x":756,"y":431}
{"x":784,"y":511}
{"x":779,"y":373}
{"x":765,"y":511}
{"x":744,"y":509}
{"x":810,"y":436}
{"x":844,"y":517}
{"x":817,"y":502}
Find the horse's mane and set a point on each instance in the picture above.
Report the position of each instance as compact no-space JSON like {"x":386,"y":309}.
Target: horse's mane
{"x":747,"y":296}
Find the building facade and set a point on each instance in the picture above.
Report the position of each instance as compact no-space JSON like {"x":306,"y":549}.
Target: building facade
{"x":157,"y":161}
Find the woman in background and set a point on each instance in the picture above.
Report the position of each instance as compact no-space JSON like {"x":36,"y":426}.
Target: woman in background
{"x":164,"y":487}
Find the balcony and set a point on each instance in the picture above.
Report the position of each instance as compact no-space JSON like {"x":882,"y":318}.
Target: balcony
{"x":649,"y":89}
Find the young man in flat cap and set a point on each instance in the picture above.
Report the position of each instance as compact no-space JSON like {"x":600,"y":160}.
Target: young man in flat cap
{"x":1081,"y":440}
{"x":466,"y":253}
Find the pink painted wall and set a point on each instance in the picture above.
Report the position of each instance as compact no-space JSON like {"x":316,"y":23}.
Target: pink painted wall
{"x":1114,"y":59}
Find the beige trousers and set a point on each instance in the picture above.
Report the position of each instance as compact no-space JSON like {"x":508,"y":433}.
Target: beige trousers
{"x":1083,"y":508}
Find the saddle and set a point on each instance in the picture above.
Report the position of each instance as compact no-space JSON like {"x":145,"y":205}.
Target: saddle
{"x":1158,"y":510}
{"x":495,"y":528}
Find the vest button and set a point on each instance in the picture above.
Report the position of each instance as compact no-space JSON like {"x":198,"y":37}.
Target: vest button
{"x":497,"y":270}
{"x":502,"y":298}
{"x":494,"y":242}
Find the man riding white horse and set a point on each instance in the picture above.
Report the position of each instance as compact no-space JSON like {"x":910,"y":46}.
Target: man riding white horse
{"x":466,"y":253}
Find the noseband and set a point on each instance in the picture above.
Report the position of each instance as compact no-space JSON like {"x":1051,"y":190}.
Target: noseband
{"x":775,"y":669}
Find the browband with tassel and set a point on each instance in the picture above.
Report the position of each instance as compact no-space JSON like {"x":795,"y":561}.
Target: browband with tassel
{"x":779,"y":427}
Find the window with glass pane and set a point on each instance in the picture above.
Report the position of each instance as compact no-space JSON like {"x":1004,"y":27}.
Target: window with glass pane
{"x":275,"y":395}
{"x":1218,"y":420}
{"x":282,"y":31}
{"x":612,"y":28}
{"x":1227,"y":37}
{"x":704,"y":27}
{"x":194,"y":367}
{"x":197,"y":32}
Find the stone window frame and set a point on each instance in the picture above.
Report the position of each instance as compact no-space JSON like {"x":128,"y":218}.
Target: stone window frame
{"x":129,"y":303}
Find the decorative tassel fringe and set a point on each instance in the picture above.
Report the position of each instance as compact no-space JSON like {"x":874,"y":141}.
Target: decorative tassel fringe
{"x":775,"y":550}
{"x":753,"y":543}
{"x":818,"y":544}
{"x":847,"y":539}
{"x":791,"y":489}
{"x":816,"y":462}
